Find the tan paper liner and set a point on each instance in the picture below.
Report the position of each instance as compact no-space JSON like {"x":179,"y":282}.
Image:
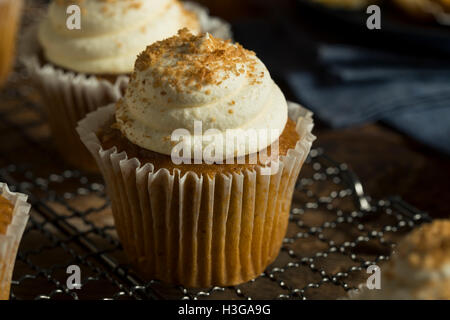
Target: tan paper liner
{"x":9,"y":21}
{"x":69,"y":96}
{"x":9,"y":242}
{"x":195,"y":230}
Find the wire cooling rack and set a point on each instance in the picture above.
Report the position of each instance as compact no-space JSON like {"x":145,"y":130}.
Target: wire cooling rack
{"x":335,"y":230}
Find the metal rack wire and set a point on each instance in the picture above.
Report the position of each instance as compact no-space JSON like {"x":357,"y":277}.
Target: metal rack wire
{"x":335,"y":230}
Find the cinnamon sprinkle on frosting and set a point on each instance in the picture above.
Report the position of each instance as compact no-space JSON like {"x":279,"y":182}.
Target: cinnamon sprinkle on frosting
{"x":187,"y":60}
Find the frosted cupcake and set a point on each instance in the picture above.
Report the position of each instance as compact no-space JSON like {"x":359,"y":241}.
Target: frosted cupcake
{"x":419,"y":269}
{"x":14,"y":213}
{"x":9,"y":23}
{"x":79,"y":70}
{"x":201,"y":222}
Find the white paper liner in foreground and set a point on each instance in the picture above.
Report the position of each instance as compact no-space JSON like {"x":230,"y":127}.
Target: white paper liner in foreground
{"x":68,"y":96}
{"x":194,"y":230}
{"x":9,"y":243}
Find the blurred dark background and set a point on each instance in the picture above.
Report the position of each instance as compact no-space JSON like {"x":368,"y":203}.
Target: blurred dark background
{"x":396,"y":151}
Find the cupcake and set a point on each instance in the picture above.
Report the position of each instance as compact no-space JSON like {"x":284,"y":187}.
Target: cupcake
{"x":79,"y":70}
{"x":419,"y":269}
{"x":9,"y":22}
{"x":195,"y":217}
{"x":14,"y":213}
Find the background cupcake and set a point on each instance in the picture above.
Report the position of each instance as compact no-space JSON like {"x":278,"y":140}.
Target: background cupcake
{"x":9,"y":21}
{"x":198,"y":224}
{"x":80,"y":70}
{"x":419,"y":268}
{"x":14,"y":213}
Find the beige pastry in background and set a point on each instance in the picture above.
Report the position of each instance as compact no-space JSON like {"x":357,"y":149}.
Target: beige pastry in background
{"x":112,"y":33}
{"x":419,"y":269}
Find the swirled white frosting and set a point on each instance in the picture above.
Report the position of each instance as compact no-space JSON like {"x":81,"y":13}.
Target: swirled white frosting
{"x":199,"y":78}
{"x":112,"y":32}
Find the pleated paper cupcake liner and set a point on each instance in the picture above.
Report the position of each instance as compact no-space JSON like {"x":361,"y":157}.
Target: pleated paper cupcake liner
{"x":68,"y":96}
{"x":193,"y":230}
{"x":9,"y":242}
